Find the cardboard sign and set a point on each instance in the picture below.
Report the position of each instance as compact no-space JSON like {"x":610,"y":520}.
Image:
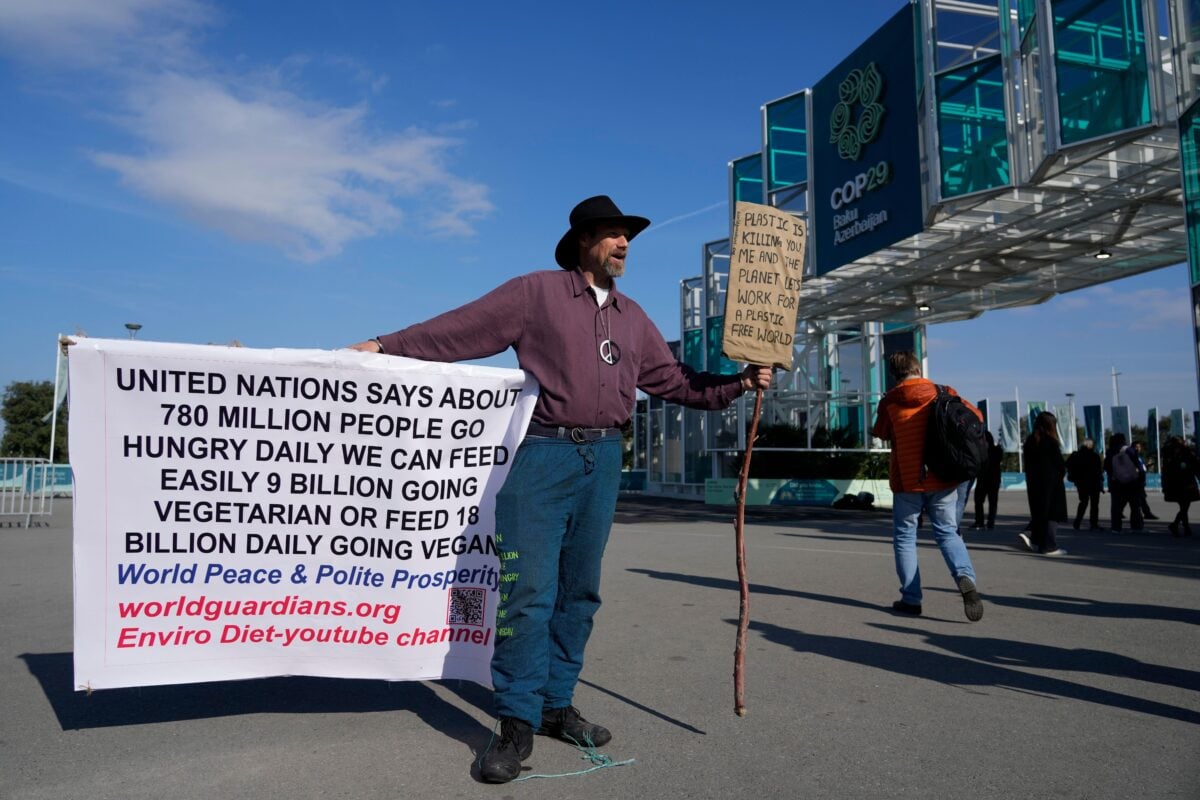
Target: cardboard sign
{"x":765,"y":269}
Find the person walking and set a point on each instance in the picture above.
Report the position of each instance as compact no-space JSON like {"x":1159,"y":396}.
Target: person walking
{"x":1180,"y":468}
{"x":591,"y":348}
{"x":1044,"y":473}
{"x":1125,"y":474}
{"x":902,"y":419}
{"x":1142,"y":501}
{"x":987,"y":484}
{"x":1085,"y":469}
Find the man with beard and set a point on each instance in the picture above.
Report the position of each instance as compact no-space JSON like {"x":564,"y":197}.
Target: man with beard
{"x":590,"y":348}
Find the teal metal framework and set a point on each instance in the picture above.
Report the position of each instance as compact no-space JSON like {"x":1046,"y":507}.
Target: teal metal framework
{"x":1059,"y":148}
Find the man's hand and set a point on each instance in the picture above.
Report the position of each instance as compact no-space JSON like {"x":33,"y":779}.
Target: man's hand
{"x":756,"y":376}
{"x":369,"y":346}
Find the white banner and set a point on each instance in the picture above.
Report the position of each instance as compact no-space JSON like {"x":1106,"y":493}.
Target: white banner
{"x":246,"y":513}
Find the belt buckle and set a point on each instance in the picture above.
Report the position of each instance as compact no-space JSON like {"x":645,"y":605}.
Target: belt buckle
{"x":578,"y":436}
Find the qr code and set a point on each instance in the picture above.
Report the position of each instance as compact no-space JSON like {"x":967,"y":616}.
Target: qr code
{"x":466,"y":606}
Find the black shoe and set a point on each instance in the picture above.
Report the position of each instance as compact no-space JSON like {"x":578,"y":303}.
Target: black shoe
{"x":502,"y":761}
{"x":1149,"y":516}
{"x":907,"y":608}
{"x":1173,"y":527}
{"x":568,"y":725}
{"x":972,"y":605}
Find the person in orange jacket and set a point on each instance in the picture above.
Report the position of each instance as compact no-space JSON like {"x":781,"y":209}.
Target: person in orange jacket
{"x":902,"y":419}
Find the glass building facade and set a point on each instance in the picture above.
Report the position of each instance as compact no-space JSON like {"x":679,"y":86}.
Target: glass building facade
{"x":1051,"y":132}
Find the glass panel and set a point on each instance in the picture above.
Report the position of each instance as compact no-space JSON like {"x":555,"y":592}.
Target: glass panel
{"x":716,"y":362}
{"x":1025,"y":16}
{"x":1185,"y":34}
{"x":1033,"y":131}
{"x":1189,"y":149}
{"x":639,"y":434}
{"x":655,"y":447}
{"x":747,"y":177}
{"x":1100,"y":63}
{"x":723,"y":428}
{"x":972,"y":137}
{"x":1196,"y":340}
{"x":787,"y":141}
{"x":693,"y":349}
{"x":965,"y":32}
{"x":673,"y":435}
{"x":716,"y":274}
{"x":697,"y":464}
{"x":691,"y":295}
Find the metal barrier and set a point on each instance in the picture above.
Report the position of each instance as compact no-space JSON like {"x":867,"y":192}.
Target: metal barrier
{"x":27,"y":488}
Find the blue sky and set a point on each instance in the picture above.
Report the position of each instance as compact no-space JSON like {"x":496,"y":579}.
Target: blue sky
{"x":310,"y":174}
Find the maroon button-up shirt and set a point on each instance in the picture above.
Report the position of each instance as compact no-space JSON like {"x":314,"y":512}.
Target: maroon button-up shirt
{"x":551,"y":320}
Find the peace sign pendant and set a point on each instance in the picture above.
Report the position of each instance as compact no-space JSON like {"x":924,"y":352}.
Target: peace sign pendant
{"x":609,"y":352}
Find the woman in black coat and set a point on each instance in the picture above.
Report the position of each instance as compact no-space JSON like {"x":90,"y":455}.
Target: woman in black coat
{"x":1044,"y":472}
{"x":1179,"y":470}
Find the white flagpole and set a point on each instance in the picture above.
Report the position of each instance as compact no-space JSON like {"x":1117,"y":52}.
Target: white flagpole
{"x":58,"y":355}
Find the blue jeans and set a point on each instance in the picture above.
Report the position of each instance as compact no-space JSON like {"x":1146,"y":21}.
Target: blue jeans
{"x":941,"y":509}
{"x":553,"y":515}
{"x":964,"y":491}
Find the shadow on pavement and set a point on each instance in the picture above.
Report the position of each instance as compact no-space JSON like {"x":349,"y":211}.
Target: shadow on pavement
{"x":1084,"y":606}
{"x":755,"y":588}
{"x":640,"y":707}
{"x":290,"y":695}
{"x":1039,"y":656}
{"x":954,"y":670}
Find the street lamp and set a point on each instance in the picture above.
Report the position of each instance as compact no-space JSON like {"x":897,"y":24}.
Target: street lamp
{"x":133,"y":328}
{"x":1116,"y":388}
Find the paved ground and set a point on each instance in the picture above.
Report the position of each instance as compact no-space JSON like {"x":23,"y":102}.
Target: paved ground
{"x":1082,"y":681}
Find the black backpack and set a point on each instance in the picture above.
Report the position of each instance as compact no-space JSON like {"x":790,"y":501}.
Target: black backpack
{"x":955,"y":446}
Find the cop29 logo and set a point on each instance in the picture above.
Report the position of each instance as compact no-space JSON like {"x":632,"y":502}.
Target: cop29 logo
{"x":862,"y":87}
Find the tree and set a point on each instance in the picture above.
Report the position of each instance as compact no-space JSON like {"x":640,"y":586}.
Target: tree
{"x":24,"y":407}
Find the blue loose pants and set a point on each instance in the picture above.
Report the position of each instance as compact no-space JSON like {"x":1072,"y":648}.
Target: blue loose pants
{"x":553,"y":516}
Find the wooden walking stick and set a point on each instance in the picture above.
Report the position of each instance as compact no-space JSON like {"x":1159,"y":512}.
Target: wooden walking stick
{"x":759,"y":328}
{"x":739,"y":650}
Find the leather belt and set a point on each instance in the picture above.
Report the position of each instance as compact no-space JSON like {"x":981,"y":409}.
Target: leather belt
{"x":578,"y":435}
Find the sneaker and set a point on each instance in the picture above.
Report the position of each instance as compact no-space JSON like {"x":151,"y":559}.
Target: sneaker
{"x":1026,"y":542}
{"x":568,"y":725}
{"x":913,"y":610}
{"x":1058,"y":552}
{"x":972,"y":604}
{"x":502,"y":761}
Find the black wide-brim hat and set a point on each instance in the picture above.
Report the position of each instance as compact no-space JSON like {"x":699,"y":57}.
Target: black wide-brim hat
{"x":598,"y":210}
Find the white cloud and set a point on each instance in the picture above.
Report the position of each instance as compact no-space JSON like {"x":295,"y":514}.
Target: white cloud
{"x":89,"y":33}
{"x":1158,"y":309}
{"x":264,"y":165}
{"x":239,"y":147}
